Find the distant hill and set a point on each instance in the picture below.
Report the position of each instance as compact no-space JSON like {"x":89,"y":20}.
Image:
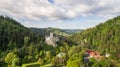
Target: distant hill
{"x":104,"y":38}
{"x":57,"y":31}
{"x":72,"y":31}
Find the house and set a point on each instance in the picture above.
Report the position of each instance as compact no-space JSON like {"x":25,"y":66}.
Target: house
{"x":92,"y":54}
{"x":107,"y":55}
{"x":61,"y":55}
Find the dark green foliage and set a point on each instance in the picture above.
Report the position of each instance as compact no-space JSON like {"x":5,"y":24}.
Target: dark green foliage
{"x":102,"y":63}
{"x":12,"y":34}
{"x":104,"y":38}
{"x":76,"y":60}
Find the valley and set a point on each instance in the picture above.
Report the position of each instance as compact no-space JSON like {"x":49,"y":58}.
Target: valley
{"x":98,"y":46}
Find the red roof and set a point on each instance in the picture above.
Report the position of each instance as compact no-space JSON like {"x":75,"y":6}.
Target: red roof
{"x":94,"y":54}
{"x":90,"y":52}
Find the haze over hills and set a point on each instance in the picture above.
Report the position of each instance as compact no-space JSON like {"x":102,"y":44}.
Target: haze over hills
{"x":57,"y":31}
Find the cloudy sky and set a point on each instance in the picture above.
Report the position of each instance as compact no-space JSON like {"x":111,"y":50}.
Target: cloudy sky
{"x":68,"y":14}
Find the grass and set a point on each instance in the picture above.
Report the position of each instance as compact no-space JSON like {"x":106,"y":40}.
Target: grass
{"x":47,"y":65}
{"x":35,"y":64}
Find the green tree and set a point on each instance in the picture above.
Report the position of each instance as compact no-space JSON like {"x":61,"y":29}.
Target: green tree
{"x":12,"y":59}
{"x":16,"y":62}
{"x":48,"y":56}
{"x":9,"y":58}
{"x":75,"y":61}
{"x":96,"y":65}
{"x":41,"y":62}
{"x":26,"y":40}
{"x":92,"y":61}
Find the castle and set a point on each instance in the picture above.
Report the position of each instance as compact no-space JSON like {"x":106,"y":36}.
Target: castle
{"x":51,"y":39}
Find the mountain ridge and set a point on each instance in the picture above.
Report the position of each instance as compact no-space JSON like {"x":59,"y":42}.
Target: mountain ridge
{"x":57,"y":31}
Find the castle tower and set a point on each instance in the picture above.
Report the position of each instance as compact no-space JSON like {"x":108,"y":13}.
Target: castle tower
{"x":51,"y":39}
{"x":51,"y":35}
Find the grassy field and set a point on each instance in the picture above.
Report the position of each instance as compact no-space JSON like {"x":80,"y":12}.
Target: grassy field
{"x":47,"y":65}
{"x":35,"y":64}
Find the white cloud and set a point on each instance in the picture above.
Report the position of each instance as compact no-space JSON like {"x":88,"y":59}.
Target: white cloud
{"x":60,"y":10}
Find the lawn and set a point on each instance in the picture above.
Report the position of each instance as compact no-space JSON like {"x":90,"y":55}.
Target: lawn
{"x":35,"y":64}
{"x":47,"y":65}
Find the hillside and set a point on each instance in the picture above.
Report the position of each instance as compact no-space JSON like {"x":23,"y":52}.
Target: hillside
{"x":104,"y":38}
{"x":56,"y":31}
{"x":44,"y":31}
{"x":13,"y":34}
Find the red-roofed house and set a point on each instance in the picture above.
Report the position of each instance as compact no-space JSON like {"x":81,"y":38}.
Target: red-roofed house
{"x":93,"y":54}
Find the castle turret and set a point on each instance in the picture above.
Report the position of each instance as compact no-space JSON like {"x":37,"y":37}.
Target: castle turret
{"x":51,"y":35}
{"x":51,"y":40}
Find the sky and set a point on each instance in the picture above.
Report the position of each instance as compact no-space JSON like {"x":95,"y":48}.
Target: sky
{"x":64,"y":14}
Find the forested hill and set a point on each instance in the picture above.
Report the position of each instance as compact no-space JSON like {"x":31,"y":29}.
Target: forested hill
{"x":104,"y":38}
{"x":44,"y":31}
{"x":13,"y":34}
{"x":56,"y":31}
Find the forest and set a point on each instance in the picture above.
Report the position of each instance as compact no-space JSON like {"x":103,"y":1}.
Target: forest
{"x":95,"y":47}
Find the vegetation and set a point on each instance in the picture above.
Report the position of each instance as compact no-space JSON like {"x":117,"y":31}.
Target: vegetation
{"x":35,"y":64}
{"x":22,"y":47}
{"x":12,"y":34}
{"x":103,"y":38}
{"x":56,"y":31}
